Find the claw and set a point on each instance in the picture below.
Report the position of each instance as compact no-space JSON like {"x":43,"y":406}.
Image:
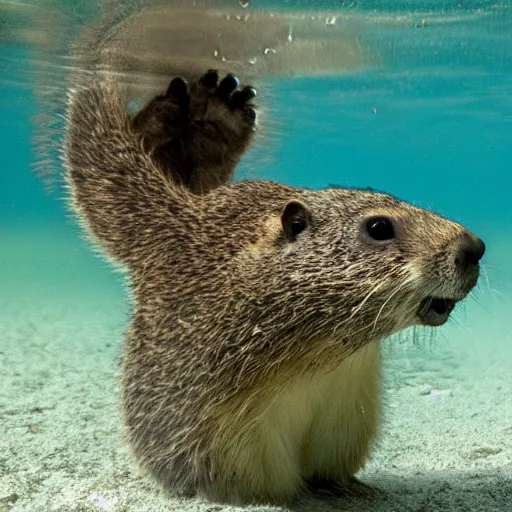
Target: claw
{"x":178,"y":90}
{"x":241,"y":97}
{"x":228,"y":84}
{"x":210,"y":79}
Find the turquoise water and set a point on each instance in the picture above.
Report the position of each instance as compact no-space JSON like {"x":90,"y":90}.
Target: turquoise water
{"x":430,"y":123}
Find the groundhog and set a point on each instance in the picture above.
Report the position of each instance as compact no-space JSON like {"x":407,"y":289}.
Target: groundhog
{"x":251,"y":372}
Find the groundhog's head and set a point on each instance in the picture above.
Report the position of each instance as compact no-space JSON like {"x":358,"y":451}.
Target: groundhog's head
{"x":353,"y":261}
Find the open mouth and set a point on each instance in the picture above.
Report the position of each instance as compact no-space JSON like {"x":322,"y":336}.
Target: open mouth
{"x":435,"y":311}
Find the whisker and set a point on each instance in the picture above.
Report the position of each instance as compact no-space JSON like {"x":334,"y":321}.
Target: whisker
{"x":374,"y":323}
{"x":384,"y":305}
{"x":493,"y":291}
{"x":359,"y":307}
{"x":372,"y":291}
{"x":461,"y":325}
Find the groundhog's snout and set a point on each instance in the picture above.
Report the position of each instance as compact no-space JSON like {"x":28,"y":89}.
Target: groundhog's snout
{"x":435,"y":309}
{"x":470,"y":251}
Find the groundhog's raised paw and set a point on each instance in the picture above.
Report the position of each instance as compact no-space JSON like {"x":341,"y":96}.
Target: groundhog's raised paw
{"x":209,"y":90}
{"x":197,"y":133}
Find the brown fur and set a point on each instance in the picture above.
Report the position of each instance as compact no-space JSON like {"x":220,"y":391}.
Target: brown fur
{"x":252,"y":363}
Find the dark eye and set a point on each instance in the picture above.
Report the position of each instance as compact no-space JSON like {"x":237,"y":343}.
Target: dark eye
{"x":295,"y":219}
{"x":380,"y":228}
{"x":297,"y":226}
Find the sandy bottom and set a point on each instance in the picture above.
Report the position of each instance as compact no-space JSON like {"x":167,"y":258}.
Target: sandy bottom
{"x":446,"y":442}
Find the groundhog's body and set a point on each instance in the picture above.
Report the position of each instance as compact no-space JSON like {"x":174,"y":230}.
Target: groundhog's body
{"x":251,"y":370}
{"x":315,"y":411}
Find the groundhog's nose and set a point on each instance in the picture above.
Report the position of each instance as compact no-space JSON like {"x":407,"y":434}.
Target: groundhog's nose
{"x":469,"y":251}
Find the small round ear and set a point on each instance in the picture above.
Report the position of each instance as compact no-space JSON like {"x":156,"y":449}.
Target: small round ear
{"x":295,"y":218}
